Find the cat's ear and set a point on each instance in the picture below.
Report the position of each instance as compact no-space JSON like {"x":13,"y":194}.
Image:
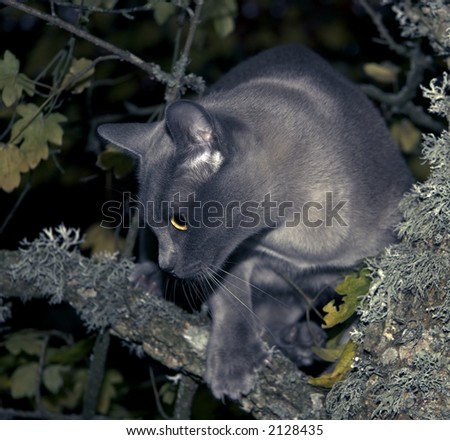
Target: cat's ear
{"x":190,"y":124}
{"x":133,"y":137}
{"x":193,"y":132}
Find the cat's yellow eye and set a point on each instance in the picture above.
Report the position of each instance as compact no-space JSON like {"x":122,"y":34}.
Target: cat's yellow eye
{"x":179,"y":222}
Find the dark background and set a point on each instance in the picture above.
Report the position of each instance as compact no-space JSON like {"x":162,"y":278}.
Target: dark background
{"x":70,"y":187}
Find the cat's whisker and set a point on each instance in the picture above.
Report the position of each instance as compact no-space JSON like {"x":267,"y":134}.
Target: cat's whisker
{"x":255,"y":288}
{"x":221,"y":284}
{"x":309,"y":302}
{"x":204,"y":288}
{"x":166,"y":290}
{"x":188,"y":297}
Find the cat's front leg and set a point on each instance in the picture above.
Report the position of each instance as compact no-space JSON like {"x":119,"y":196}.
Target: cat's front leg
{"x":147,"y":275}
{"x":235,"y":348}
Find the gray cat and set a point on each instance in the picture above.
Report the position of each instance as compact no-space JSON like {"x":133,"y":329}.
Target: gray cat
{"x":265,"y":190}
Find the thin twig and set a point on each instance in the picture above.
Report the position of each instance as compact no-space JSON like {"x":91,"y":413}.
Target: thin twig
{"x":131,"y":237}
{"x":40,"y":372}
{"x":384,"y":33}
{"x":179,"y":68}
{"x":11,"y":213}
{"x":180,"y":26}
{"x":126,"y":12}
{"x":161,"y":411}
{"x":96,"y":374}
{"x":124,"y":55}
{"x":9,"y":413}
{"x":195,"y":21}
{"x":418,"y":115}
{"x":187,"y":387}
{"x":42,"y":364}
{"x":419,"y":63}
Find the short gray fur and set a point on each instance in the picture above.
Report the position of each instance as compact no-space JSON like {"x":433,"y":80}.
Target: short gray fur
{"x":282,"y":123}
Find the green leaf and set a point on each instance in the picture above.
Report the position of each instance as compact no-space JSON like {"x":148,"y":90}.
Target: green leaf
{"x":113,"y":159}
{"x":35,"y":132}
{"x":70,"y":354}
{"x":352,"y":289}
{"x":5,"y":383}
{"x":26,"y":341}
{"x":7,"y":362}
{"x":13,"y":83}
{"x":168,"y":393}
{"x":224,"y":26}
{"x":342,"y":367}
{"x":12,"y":164}
{"x":79,"y":76}
{"x":73,"y":396}
{"x":53,"y":377}
{"x":221,"y":13}
{"x":109,"y":390}
{"x":23,"y":381}
{"x":163,"y":11}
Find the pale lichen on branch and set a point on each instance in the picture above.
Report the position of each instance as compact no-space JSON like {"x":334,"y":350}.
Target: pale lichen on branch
{"x":99,"y":291}
{"x":401,"y":369}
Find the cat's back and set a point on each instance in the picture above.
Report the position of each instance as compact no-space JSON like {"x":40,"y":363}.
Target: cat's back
{"x":289,"y":62}
{"x":285,"y":80}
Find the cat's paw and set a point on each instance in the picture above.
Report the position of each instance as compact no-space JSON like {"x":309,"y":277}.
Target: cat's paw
{"x":233,"y":373}
{"x":148,"y":275}
{"x":297,"y":340}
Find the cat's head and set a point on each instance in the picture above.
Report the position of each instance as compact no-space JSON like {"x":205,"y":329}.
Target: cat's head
{"x":194,"y":179}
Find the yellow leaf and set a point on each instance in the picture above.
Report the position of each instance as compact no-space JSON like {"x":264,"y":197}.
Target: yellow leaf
{"x":352,"y":289}
{"x":78,"y":77}
{"x":73,"y":395}
{"x":342,"y":367}
{"x":100,"y":239}
{"x":384,"y":73}
{"x":108,"y":392}
{"x":328,"y":354}
{"x":406,"y":135}
{"x":12,"y":163}
{"x":35,"y":132}
{"x":114,"y":159}
{"x":12,"y":82}
{"x":24,"y":341}
{"x":53,"y":377}
{"x":23,"y":381}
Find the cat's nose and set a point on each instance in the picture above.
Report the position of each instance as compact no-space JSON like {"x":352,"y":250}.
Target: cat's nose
{"x":166,"y":267}
{"x":167,"y":263}
{"x":166,"y":256}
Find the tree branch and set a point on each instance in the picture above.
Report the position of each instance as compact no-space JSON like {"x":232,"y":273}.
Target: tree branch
{"x":179,"y":68}
{"x":384,"y":33}
{"x":401,"y":102}
{"x":150,"y":68}
{"x":169,"y":335}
